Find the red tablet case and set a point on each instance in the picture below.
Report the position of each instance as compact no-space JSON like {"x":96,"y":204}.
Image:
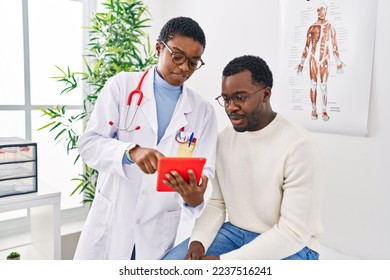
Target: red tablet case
{"x":181,"y":165}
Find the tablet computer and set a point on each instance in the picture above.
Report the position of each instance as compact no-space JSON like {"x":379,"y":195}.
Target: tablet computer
{"x":181,"y":165}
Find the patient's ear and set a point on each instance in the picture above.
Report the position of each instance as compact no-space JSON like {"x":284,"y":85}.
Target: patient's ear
{"x":267,"y":94}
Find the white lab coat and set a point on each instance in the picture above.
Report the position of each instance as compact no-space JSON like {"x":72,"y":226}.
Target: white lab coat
{"x":127,"y":209}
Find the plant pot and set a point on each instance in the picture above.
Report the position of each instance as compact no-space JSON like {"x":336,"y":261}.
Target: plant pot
{"x":13,"y":258}
{"x":16,"y":258}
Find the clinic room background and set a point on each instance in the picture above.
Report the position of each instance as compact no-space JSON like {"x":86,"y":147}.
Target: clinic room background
{"x":356,"y":204}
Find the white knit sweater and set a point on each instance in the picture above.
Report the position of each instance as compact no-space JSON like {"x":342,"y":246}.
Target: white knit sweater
{"x":269,"y":182}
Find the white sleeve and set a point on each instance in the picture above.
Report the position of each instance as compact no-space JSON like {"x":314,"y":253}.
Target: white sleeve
{"x":98,"y":145}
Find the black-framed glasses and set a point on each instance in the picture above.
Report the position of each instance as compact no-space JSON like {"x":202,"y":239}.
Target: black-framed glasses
{"x":179,"y":58}
{"x":237,"y":98}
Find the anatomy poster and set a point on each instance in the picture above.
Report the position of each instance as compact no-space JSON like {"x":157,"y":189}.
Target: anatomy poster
{"x":326,"y":63}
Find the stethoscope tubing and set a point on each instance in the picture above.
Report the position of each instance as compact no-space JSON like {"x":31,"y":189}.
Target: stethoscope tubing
{"x":138,"y":91}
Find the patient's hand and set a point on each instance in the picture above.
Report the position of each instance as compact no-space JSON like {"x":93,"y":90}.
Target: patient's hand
{"x":195,"y":251}
{"x":210,"y":258}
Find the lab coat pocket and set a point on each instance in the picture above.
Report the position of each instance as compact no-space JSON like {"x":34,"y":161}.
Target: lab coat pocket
{"x":98,"y":230}
{"x":170,"y":222}
{"x":184,"y":150}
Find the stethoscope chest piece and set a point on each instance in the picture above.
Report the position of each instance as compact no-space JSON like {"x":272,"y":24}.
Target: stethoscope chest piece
{"x":181,"y":136}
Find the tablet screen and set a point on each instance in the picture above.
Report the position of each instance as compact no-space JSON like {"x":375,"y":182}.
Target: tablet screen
{"x":181,"y":165}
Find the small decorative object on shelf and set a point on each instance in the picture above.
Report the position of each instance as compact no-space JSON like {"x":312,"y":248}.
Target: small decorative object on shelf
{"x":18,"y":166}
{"x":13,"y":256}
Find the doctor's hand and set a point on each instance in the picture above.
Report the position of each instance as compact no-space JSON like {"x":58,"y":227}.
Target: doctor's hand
{"x":191,"y":192}
{"x":146,"y":159}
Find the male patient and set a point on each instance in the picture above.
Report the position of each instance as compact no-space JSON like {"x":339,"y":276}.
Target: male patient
{"x":269,"y":179}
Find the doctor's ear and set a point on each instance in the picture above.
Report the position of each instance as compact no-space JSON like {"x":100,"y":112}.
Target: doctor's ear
{"x":158,"y":48}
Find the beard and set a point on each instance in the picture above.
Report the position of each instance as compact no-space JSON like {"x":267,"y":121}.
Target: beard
{"x":253,"y":121}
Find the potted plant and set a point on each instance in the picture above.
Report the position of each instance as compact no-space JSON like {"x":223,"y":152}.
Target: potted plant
{"x":117,"y":43}
{"x":13,"y":256}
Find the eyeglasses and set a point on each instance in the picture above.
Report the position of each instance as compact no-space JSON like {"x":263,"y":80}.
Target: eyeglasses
{"x":179,"y":58}
{"x":237,"y":98}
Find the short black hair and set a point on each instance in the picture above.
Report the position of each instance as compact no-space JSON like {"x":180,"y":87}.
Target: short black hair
{"x":261,"y":74}
{"x":183,"y":26}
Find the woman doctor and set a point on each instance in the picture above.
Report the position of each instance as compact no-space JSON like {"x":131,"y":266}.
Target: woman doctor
{"x":129,"y":219}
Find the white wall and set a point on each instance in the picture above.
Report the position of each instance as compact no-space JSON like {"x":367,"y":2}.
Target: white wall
{"x":357,"y":199}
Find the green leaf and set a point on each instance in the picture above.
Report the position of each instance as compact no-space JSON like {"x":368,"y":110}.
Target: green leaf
{"x":54,"y":127}
{"x":47,"y":125}
{"x":59,"y":134}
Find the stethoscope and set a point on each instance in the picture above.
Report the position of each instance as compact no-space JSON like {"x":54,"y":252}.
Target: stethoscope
{"x":138,"y":91}
{"x":181,"y":136}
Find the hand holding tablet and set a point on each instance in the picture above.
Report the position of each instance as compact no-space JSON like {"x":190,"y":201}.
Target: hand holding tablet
{"x":181,"y":165}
